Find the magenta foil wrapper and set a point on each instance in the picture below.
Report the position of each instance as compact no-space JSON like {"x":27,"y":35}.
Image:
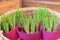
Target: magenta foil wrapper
{"x":12,"y":35}
{"x":58,"y":31}
{"x":49,"y":35}
{"x":25,"y":36}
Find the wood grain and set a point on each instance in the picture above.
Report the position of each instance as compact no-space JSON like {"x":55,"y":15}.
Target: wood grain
{"x":54,"y":5}
{"x":9,"y":5}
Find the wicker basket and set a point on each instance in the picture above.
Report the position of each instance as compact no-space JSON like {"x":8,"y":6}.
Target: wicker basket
{"x":2,"y":37}
{"x":29,"y":10}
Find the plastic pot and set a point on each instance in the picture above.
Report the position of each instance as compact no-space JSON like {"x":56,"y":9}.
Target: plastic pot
{"x":12,"y":35}
{"x":49,"y":35}
{"x":58,"y":31}
{"x":25,"y":36}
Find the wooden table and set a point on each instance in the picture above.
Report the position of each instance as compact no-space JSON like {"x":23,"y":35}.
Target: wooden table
{"x":49,"y":4}
{"x":9,"y":5}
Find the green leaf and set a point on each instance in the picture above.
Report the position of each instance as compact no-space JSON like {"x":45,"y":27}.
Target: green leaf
{"x":50,"y":22}
{"x":44,"y":16}
{"x":36,"y":19}
{"x":26,"y":24}
{"x":5,"y":24}
{"x":46,"y":23}
{"x":32,"y":22}
{"x":19,"y":17}
{"x":56,"y":20}
{"x":10,"y":20}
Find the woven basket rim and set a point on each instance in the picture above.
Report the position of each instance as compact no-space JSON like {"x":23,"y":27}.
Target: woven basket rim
{"x":30,"y":9}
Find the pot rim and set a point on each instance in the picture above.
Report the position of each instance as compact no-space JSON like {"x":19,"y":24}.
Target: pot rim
{"x":29,"y":33}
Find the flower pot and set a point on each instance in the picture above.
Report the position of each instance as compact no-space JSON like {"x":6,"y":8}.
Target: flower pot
{"x":58,"y":26}
{"x":12,"y":35}
{"x":58,"y":31}
{"x":25,"y":36}
{"x":49,"y":35}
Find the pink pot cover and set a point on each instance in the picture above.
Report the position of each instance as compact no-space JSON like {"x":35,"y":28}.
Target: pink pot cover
{"x":12,"y":35}
{"x":49,"y":35}
{"x":59,"y":25}
{"x":58,"y":31}
{"x":25,"y":36}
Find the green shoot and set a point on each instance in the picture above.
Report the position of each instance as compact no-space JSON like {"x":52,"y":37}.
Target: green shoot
{"x":56,"y":20}
{"x":32,"y":22}
{"x":36,"y":19}
{"x":26,"y":24}
{"x":11,"y":20}
{"x":5,"y":24}
{"x":50,"y":22}
{"x":19,"y":17}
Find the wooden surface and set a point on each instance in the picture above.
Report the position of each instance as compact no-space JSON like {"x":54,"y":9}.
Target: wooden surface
{"x":48,"y":0}
{"x":53,"y":5}
{"x":9,"y":5}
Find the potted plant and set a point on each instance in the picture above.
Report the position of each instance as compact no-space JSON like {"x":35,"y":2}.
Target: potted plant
{"x":1,"y":35}
{"x":9,"y":25}
{"x":19,"y":18}
{"x":31,"y":26}
{"x":50,"y":24}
